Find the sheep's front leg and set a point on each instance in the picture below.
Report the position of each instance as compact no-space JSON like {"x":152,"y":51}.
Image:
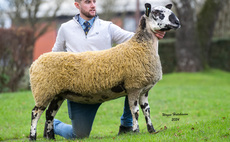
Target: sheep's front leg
{"x":146,"y":111}
{"x":50,"y":114}
{"x":133,"y":98}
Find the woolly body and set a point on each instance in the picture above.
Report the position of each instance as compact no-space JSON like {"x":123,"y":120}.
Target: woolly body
{"x":134,"y":63}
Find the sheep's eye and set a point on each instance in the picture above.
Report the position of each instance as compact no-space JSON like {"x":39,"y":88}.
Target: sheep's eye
{"x":156,"y":12}
{"x":159,"y":13}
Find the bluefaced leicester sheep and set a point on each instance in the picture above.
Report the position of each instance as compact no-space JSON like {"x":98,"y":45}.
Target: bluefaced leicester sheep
{"x":131,"y":68}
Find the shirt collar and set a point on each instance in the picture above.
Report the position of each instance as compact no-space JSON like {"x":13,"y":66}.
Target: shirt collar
{"x":81,"y":20}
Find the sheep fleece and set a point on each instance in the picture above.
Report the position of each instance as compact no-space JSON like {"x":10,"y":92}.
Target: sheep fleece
{"x":94,"y":71}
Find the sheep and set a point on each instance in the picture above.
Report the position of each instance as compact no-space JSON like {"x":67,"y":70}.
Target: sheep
{"x":131,"y":68}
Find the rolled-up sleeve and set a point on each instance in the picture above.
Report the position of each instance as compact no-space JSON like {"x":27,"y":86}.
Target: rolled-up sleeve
{"x":59,"y":45}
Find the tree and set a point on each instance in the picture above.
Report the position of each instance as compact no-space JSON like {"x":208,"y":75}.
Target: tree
{"x":17,"y":44}
{"x":222,"y":28}
{"x":14,"y":45}
{"x":188,"y":53}
{"x":194,"y":37}
{"x":108,"y":9}
{"x":206,"y":22}
{"x":25,"y":13}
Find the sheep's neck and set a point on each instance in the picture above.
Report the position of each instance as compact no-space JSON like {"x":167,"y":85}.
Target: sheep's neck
{"x":148,"y":37}
{"x":155,"y":43}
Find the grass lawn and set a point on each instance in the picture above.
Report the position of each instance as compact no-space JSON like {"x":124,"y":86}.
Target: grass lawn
{"x":203,"y":97}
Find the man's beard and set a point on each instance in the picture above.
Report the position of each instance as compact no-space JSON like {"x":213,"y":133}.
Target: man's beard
{"x":87,"y":14}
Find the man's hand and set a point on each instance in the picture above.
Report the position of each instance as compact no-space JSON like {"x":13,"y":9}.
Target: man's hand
{"x":160,"y":34}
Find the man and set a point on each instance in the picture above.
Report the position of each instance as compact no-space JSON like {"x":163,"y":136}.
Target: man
{"x":86,"y":32}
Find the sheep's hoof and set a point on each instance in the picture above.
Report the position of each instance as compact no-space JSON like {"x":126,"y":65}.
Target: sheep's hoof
{"x":137,"y":130}
{"x":151,"y":129}
{"x":49,"y":135}
{"x":32,"y":138}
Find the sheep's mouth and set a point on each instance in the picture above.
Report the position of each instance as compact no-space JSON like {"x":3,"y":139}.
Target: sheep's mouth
{"x":169,"y":27}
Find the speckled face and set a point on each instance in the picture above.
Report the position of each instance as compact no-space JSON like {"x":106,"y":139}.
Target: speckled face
{"x":163,"y":19}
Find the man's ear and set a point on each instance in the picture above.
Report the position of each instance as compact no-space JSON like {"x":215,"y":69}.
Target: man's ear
{"x":147,"y":9}
{"x":169,"y":6}
{"x":77,"y":5}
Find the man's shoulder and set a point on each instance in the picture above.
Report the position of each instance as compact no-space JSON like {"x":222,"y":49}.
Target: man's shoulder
{"x":68,"y":23}
{"x":103,"y":22}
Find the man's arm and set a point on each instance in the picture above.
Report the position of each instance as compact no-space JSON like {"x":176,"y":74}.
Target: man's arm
{"x":59,"y":44}
{"x":119,"y":35}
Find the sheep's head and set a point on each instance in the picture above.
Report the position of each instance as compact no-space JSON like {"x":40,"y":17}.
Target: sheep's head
{"x":161,"y":18}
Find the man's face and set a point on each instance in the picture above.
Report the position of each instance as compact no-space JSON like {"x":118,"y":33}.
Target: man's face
{"x":87,"y":8}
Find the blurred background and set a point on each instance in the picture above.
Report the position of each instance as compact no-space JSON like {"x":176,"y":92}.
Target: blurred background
{"x":28,"y":28}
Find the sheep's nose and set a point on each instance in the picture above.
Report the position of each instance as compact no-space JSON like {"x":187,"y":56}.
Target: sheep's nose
{"x":177,"y":22}
{"x":174,"y":20}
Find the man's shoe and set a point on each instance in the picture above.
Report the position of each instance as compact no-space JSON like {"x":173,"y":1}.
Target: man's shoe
{"x":123,"y":129}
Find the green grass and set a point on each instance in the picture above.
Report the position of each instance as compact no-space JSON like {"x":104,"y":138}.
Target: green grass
{"x":203,"y":96}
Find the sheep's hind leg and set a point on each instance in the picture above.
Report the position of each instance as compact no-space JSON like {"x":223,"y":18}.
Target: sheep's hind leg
{"x":146,"y":111}
{"x":35,"y":115}
{"x":133,"y":98}
{"x":50,"y":114}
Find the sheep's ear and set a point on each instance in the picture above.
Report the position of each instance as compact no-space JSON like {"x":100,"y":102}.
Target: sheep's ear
{"x":169,"y":6}
{"x":147,"y":9}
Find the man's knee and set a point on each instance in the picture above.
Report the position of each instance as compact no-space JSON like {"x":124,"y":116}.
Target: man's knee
{"x":64,"y":130}
{"x":82,"y":134}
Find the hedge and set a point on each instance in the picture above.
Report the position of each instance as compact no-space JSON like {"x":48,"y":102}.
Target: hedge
{"x":219,"y":56}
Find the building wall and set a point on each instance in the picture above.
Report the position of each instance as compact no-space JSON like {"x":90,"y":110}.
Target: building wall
{"x":45,"y":42}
